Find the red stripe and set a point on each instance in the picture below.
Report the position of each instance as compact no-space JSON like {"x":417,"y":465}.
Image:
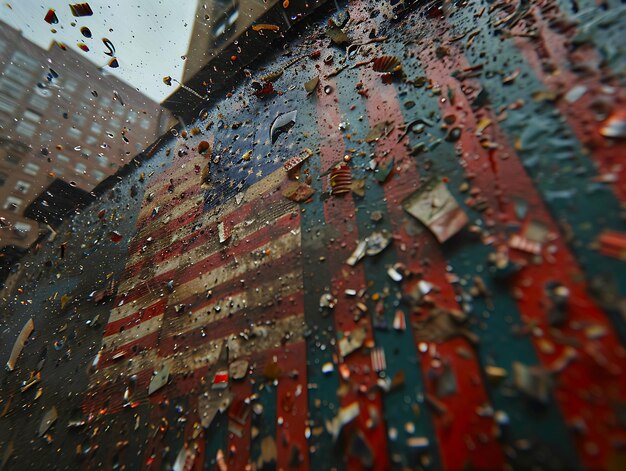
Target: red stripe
{"x":285,"y":264}
{"x":289,"y":262}
{"x":190,"y":272}
{"x":142,"y":315}
{"x":292,"y":407}
{"x":235,"y":324}
{"x":262,"y":204}
{"x":167,"y":206}
{"x":130,"y":349}
{"x":157,"y":231}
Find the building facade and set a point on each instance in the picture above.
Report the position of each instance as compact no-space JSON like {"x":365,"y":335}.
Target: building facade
{"x":63,"y":117}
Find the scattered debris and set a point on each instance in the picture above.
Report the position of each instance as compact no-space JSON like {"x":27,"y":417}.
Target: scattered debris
{"x":160,"y":379}
{"x":48,"y":420}
{"x":437,"y":209}
{"x":19,"y":343}
{"x":311,"y":85}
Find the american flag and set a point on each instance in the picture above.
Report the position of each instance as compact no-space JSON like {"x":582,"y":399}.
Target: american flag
{"x":184,"y":293}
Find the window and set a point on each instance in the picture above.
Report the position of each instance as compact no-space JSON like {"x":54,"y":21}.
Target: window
{"x":145,"y":123}
{"x":31,"y":168}
{"x":70,"y":85}
{"x":132,"y":116}
{"x":11,"y":88}
{"x":12,"y":159}
{"x":74,"y":132}
{"x":26,"y":128}
{"x":106,"y":102}
{"x":79,"y":119}
{"x":32,"y":116}
{"x":18,"y":73}
{"x":22,"y":186}
{"x":63,"y":158}
{"x":57,"y":171}
{"x":96,"y":128}
{"x":7,"y":105}
{"x":102,"y":160}
{"x":38,"y":102}
{"x":25,"y":61}
{"x":86,"y":153}
{"x":13,"y":204}
{"x":21,"y":229}
{"x":80,"y":167}
{"x":98,"y":175}
{"x":91,"y":140}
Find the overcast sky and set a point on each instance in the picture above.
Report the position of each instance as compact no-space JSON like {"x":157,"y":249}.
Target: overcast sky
{"x":149,"y":36}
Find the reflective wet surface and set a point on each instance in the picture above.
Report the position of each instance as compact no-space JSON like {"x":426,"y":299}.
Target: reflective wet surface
{"x":395,"y":241}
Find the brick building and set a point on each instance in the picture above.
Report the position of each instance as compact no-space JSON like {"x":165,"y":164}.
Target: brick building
{"x":61,"y":117}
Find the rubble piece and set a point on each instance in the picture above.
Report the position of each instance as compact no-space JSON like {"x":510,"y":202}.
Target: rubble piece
{"x":399,"y":321}
{"x":394,"y":274}
{"x":374,"y":244}
{"x":522,"y":244}
{"x":19,"y":343}
{"x":298,"y":191}
{"x":352,"y":342}
{"x":613,"y":244}
{"x":419,"y":443}
{"x":533,"y":381}
{"x":436,"y":208}
{"x":220,"y":380}
{"x":615,"y":126}
{"x":210,"y":404}
{"x":296,"y":161}
{"x":379,"y":130}
{"x":160,"y":379}
{"x":311,"y":85}
{"x":495,"y":374}
{"x":379,"y":362}
{"x":441,"y":325}
{"x":358,"y":253}
{"x":268,"y":452}
{"x":34,"y":378}
{"x":223,"y":233}
{"x":48,"y":419}
{"x":340,"y":180}
{"x":185,"y":459}
{"x":345,"y":415}
{"x":386,"y":64}
{"x":238,"y":369}
{"x":336,"y":34}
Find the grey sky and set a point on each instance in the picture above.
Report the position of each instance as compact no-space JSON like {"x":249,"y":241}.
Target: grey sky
{"x":149,"y":36}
